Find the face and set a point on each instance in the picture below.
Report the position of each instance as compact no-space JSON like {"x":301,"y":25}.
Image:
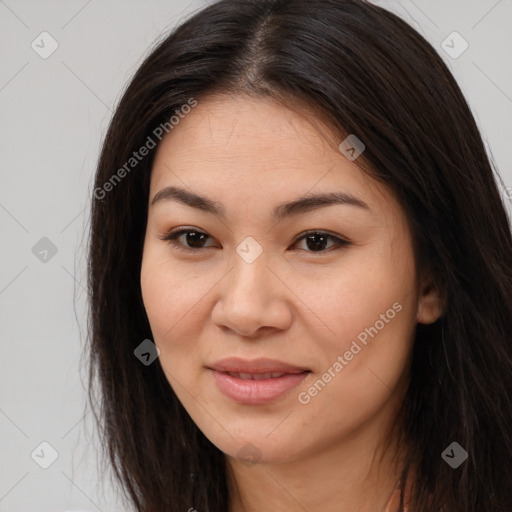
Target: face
{"x":257,"y":270}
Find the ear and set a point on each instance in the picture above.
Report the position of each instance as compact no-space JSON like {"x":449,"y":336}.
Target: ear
{"x":430,"y":302}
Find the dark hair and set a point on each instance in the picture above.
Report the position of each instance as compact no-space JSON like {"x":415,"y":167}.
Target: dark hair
{"x":368,"y":73}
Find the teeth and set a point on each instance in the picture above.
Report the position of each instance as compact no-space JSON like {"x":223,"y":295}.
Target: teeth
{"x":256,"y":376}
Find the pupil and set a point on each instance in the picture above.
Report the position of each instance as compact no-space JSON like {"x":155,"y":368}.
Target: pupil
{"x":316,"y":244}
{"x":191,"y":241}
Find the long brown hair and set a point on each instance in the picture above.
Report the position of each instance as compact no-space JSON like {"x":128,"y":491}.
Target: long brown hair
{"x":368,"y":73}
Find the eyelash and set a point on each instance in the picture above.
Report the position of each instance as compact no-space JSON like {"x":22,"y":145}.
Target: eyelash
{"x":172,"y":236}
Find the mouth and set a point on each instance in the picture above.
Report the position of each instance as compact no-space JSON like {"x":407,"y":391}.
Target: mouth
{"x":257,"y":376}
{"x":255,"y":367}
{"x":256,"y":382}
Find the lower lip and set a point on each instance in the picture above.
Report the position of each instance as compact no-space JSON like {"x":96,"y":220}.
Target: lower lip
{"x":254,"y":392}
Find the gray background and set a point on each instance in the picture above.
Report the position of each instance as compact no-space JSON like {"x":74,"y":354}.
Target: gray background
{"x":54,"y":113}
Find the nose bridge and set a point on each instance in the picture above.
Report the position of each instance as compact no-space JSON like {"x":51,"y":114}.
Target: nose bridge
{"x":250,"y":273}
{"x":250,"y":297}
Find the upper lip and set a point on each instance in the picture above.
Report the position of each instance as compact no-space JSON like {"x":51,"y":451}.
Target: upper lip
{"x":260,"y":365}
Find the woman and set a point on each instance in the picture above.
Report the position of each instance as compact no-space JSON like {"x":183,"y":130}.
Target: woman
{"x":294,"y":204}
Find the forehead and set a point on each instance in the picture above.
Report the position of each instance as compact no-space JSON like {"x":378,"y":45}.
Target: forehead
{"x":257,"y":147}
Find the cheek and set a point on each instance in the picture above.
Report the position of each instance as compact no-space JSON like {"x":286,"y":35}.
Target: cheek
{"x":170,"y":295}
{"x":354,"y":298}
{"x":174,"y":315}
{"x":172,"y":307}
{"x":370,"y":308}
{"x":363,"y":362}
{"x":176,"y":299}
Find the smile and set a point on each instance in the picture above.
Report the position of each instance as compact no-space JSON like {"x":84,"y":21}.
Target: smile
{"x":256,"y":388}
{"x":256,"y":376}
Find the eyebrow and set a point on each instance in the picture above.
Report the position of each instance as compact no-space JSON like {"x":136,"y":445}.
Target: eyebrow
{"x":296,"y":207}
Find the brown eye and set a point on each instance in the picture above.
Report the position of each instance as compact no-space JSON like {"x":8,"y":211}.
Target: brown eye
{"x":194,"y":240}
{"x":317,"y":241}
{"x":190,"y":239}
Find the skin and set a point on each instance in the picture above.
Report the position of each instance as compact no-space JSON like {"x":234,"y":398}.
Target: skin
{"x":292,"y":303}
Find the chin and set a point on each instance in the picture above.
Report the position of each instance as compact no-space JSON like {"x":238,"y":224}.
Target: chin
{"x":255,"y":447}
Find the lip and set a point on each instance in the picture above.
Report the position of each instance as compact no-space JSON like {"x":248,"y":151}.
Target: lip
{"x":256,"y":392}
{"x":260,"y":365}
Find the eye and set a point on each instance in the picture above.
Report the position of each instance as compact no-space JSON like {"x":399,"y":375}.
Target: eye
{"x":316,"y":241}
{"x":193,"y":239}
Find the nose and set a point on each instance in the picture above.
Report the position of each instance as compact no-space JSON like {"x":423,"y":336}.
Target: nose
{"x":253,"y":298}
